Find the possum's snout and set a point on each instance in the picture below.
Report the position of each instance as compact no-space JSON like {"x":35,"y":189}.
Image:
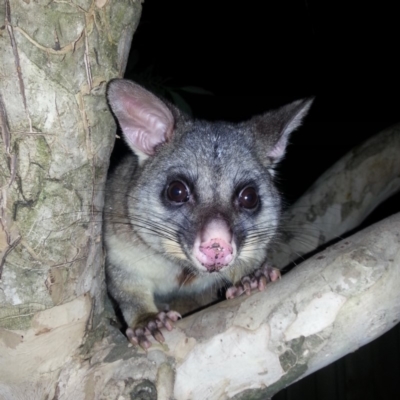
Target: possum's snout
{"x":213,"y":247}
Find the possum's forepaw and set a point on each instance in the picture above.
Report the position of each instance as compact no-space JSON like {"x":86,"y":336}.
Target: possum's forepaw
{"x":257,"y":280}
{"x":150,"y":324}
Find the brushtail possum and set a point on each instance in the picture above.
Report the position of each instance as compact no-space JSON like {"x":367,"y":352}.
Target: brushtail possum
{"x":192,"y":209}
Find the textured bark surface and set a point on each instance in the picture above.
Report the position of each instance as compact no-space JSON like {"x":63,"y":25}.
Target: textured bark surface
{"x":342,"y":197}
{"x":56,"y":136}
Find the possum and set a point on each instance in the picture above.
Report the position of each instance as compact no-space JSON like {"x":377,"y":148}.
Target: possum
{"x":192,"y":209}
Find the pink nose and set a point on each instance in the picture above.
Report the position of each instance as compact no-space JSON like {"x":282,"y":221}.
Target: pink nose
{"x":215,"y":254}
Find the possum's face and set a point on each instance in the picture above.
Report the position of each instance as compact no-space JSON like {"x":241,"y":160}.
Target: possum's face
{"x":203,"y":193}
{"x":206,"y":199}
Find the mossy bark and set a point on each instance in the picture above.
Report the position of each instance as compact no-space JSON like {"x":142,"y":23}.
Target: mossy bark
{"x":56,"y":136}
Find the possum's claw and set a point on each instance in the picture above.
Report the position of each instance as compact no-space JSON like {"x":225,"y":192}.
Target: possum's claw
{"x":151,"y":325}
{"x":256,"y":280}
{"x":137,"y":336}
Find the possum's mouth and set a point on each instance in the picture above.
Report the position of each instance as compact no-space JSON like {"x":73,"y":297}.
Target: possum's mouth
{"x":214,"y":248}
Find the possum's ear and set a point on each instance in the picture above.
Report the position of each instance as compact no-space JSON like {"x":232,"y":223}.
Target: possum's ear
{"x":275,"y":127}
{"x":145,"y":120}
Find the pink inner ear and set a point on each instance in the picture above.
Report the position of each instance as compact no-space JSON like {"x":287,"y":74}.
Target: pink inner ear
{"x":144,"y":119}
{"x":278,"y":151}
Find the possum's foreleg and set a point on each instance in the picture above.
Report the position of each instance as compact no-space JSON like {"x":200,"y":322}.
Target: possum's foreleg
{"x":135,"y":298}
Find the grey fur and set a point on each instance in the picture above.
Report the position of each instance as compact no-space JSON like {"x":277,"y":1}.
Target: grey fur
{"x":149,"y":242}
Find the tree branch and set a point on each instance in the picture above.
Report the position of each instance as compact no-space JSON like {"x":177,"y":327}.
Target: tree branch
{"x":329,"y":306}
{"x":339,"y":300}
{"x":342,"y":197}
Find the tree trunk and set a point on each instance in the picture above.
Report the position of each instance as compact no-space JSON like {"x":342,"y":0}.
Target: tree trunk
{"x":56,"y":136}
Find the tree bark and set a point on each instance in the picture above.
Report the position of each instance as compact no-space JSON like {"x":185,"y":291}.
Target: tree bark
{"x":56,"y":135}
{"x":56,"y":138}
{"x":342,"y":197}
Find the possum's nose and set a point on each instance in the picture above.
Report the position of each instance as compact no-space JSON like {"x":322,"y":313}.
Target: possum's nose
{"x":215,"y":254}
{"x":213,"y":247}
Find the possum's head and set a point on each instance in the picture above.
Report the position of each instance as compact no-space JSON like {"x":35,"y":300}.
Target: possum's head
{"x":203,"y":193}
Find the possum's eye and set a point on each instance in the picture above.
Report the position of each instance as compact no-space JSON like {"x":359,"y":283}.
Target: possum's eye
{"x":178,"y":192}
{"x":248,"y":197}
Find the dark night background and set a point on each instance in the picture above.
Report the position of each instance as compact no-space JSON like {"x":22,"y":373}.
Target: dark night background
{"x":257,"y":55}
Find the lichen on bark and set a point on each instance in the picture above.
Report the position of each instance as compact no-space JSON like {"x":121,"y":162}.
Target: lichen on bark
{"x":56,"y":138}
